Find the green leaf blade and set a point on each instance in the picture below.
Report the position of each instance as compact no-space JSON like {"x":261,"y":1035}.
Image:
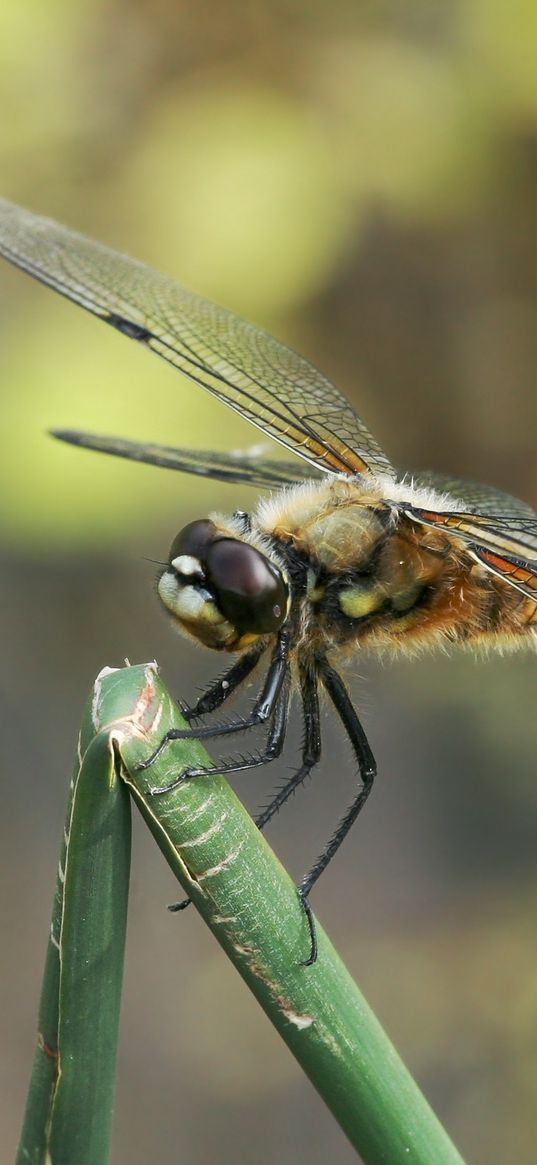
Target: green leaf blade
{"x":69,"y":1111}
{"x":252,"y":907}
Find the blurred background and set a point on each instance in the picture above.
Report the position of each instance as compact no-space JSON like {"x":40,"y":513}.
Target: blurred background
{"x":362,"y":181}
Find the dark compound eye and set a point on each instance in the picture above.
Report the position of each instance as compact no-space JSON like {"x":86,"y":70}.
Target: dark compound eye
{"x":249,"y":589}
{"x":193,"y":540}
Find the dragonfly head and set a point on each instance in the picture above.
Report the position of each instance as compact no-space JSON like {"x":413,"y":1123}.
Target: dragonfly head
{"x":221,"y":589}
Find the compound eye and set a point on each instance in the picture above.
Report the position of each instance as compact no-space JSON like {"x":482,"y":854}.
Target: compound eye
{"x":193,"y":540}
{"x":250,"y":590}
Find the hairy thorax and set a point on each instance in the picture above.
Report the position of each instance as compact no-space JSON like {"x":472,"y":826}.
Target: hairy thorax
{"x":376,"y":577}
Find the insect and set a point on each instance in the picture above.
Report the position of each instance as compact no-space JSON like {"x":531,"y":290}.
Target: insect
{"x":345,"y":555}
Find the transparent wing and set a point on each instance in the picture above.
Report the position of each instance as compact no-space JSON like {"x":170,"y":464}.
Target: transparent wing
{"x":476,"y":497}
{"x":239,"y":467}
{"x":507,"y":549}
{"x":267,"y":383}
{"x":498,"y":520}
{"x":500,"y":530}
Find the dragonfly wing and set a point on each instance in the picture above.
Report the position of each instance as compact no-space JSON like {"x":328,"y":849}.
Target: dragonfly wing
{"x":475,"y":496}
{"x":236,"y":467}
{"x":507,"y":551}
{"x":267,"y":383}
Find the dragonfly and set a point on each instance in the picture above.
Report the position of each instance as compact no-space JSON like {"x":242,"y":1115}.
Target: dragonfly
{"x":344,"y":554}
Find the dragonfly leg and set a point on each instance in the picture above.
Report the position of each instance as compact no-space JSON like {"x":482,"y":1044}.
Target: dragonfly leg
{"x":224,"y":687}
{"x":275,"y":743}
{"x":367,"y":770}
{"x":311,"y":750}
{"x":262,"y":711}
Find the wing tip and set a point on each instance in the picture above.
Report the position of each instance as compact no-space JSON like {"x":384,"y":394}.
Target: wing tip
{"x":70,"y":436}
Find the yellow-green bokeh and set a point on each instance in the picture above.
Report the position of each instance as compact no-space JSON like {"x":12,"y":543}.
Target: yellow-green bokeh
{"x":249,"y":167}
{"x":361,"y":180}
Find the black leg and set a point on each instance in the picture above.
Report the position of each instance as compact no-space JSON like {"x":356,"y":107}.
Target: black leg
{"x":273,"y":748}
{"x":275,"y":743}
{"x":215,"y":696}
{"x":262,"y":711}
{"x":311,"y":749}
{"x":310,"y":755}
{"x":367,"y":771}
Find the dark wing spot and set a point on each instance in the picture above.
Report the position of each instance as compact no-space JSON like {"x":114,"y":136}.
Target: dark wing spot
{"x":130,"y":329}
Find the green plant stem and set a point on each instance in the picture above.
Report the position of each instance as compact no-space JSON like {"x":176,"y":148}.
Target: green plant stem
{"x":68,"y":1116}
{"x":251,"y":905}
